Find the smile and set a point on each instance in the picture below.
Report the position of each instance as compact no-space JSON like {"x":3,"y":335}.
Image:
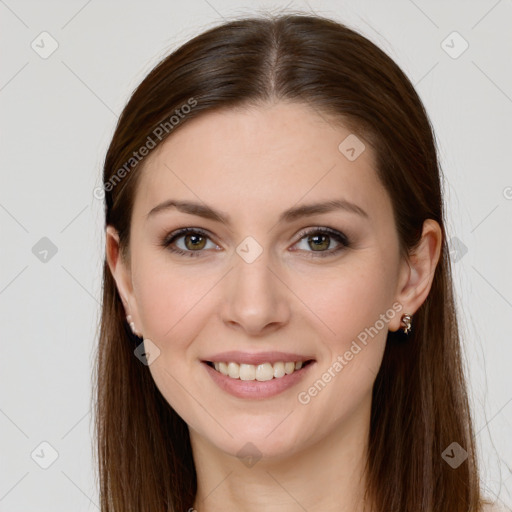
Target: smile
{"x":257,"y":381}
{"x":261,"y":372}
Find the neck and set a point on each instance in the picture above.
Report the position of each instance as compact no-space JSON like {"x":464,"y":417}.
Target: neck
{"x":327,"y":476}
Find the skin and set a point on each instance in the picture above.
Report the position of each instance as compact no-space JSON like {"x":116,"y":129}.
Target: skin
{"x":252,"y":165}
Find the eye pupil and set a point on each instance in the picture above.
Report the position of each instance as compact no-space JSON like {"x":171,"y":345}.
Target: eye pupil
{"x":195,"y":244}
{"x":323,"y":241}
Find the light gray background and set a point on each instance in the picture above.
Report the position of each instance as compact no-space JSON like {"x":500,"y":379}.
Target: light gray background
{"x":57,"y":117}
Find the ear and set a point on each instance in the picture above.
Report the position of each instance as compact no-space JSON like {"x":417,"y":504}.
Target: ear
{"x":120,"y":270}
{"x":417,"y":273}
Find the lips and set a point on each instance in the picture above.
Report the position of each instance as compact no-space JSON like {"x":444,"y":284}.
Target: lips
{"x":256,"y":358}
{"x":257,"y":375}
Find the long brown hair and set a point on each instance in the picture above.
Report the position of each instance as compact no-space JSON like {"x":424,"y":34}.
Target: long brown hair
{"x":420,"y":406}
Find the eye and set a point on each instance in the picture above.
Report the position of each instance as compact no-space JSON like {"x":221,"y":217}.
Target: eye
{"x":319,"y":239}
{"x":194,"y":241}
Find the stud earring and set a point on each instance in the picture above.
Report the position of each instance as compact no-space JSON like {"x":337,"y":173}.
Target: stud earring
{"x":132,"y":325}
{"x":407,"y":320}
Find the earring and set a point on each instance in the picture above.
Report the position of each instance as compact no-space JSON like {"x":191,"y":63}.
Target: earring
{"x":132,"y":325}
{"x":407,"y":320}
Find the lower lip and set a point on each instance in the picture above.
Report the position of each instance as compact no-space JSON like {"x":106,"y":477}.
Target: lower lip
{"x":257,"y":389}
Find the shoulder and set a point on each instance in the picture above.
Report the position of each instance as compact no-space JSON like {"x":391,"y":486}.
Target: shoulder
{"x":494,"y":507}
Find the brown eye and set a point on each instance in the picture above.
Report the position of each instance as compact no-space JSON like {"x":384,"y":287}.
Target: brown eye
{"x":318,"y":240}
{"x":194,"y":242}
{"x":187,"y":241}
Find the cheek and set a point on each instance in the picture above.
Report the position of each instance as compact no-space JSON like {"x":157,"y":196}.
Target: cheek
{"x":357,"y":311}
{"x":169,"y":301}
{"x":356,"y":308}
{"x":351,"y":303}
{"x":171,"y":304}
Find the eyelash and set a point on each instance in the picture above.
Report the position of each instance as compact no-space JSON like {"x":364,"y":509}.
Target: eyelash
{"x":340,"y":237}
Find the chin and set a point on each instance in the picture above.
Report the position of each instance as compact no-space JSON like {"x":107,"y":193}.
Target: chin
{"x":267,"y":439}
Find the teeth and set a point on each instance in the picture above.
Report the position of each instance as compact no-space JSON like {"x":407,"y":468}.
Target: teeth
{"x":247,"y":371}
{"x":289,"y":368}
{"x":234,"y":371}
{"x":264,"y":372}
{"x":279,"y":370}
{"x":260,"y":372}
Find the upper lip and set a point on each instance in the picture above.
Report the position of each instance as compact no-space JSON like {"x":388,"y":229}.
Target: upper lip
{"x":256,"y":357}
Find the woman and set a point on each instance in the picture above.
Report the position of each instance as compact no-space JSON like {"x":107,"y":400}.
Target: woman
{"x":278,"y":328}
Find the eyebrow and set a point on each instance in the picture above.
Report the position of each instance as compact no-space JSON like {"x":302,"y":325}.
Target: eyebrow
{"x":205,"y":211}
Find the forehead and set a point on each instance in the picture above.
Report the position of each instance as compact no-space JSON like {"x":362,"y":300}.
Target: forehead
{"x":261,"y":159}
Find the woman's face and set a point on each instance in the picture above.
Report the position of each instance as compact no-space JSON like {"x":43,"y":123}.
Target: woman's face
{"x":268,"y":284}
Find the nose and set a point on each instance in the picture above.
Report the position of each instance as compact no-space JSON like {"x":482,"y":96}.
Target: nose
{"x":254,"y":297}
